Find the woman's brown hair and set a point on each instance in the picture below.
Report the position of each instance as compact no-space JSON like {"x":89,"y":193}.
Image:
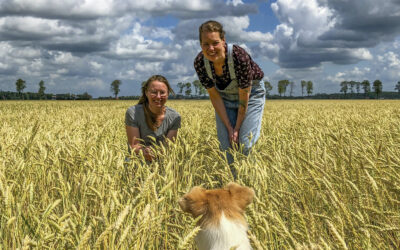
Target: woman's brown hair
{"x":212,"y":26}
{"x":151,"y":118}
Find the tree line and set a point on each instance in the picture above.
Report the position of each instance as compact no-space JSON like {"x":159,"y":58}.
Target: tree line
{"x":20,"y":85}
{"x":285,"y":88}
{"x":184,"y":88}
{"x":348,"y":88}
{"x":352,"y":86}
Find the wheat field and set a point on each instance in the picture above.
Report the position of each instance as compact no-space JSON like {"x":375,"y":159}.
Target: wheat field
{"x":326,"y":176}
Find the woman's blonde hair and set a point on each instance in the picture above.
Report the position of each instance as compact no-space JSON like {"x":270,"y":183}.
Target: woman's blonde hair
{"x":151,"y":118}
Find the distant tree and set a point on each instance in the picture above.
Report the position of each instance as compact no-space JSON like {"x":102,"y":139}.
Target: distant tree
{"x":287,"y":83}
{"x":181,"y":85}
{"x":188,"y":90}
{"x":115,"y":87}
{"x":352,"y":84}
{"x":20,"y":86}
{"x":282,"y":87}
{"x":41,"y":90}
{"x":358,"y":84}
{"x":203,"y":90}
{"x":291,"y":85}
{"x":303,"y":86}
{"x":344,"y":87}
{"x":84,"y":96}
{"x":397,"y":87}
{"x":377,"y":86}
{"x":197,"y":85}
{"x":366,"y":86}
{"x":268,"y":87}
{"x":310,"y":88}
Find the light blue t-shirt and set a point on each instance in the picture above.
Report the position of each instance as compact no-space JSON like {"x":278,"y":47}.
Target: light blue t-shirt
{"x":134,"y":117}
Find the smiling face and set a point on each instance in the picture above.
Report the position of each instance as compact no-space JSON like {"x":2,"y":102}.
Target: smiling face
{"x":157,"y":94}
{"x":213,"y":46}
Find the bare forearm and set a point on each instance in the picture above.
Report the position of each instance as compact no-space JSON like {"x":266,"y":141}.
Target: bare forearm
{"x":244,"y":95}
{"x":219,"y":107}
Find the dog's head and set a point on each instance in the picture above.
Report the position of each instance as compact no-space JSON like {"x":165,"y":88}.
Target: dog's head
{"x":232,"y":200}
{"x":194,"y":202}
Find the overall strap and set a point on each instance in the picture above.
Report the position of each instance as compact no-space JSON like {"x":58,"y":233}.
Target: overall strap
{"x":208,"y":67}
{"x":230,"y":62}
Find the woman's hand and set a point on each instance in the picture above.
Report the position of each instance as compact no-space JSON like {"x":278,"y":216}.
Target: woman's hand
{"x":148,"y":155}
{"x":235,"y":136}
{"x":133,"y":135}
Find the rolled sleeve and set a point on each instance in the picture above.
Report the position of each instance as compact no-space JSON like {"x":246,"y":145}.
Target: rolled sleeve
{"x":130,"y":118}
{"x":176,"y":123}
{"x":244,"y":72}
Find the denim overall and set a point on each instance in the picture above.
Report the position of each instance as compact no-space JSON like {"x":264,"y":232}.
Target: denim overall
{"x":250,"y":129}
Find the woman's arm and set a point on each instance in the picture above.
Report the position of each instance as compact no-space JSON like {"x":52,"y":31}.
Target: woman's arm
{"x":244,"y":95}
{"x":133,"y":135}
{"x":171,"y":135}
{"x":219,"y":107}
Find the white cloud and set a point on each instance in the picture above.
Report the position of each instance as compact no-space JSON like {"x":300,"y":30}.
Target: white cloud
{"x":38,"y":27}
{"x":148,"y":67}
{"x":355,"y":74}
{"x":135,"y":46}
{"x":235,"y":28}
{"x":93,"y":83}
{"x":234,"y":2}
{"x":362,"y":54}
{"x":96,"y":65}
{"x":62,"y":71}
{"x":390,"y":59}
{"x":63,"y":58}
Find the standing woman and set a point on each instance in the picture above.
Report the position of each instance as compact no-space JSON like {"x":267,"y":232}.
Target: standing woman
{"x":232,"y":80}
{"x":151,"y":118}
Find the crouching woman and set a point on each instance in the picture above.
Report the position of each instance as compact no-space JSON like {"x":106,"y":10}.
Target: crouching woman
{"x":151,"y":118}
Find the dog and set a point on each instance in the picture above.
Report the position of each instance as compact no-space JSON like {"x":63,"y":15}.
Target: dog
{"x":223,"y":226}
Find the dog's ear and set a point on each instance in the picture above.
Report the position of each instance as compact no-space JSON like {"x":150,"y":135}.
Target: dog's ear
{"x":243,"y":196}
{"x":194,"y":202}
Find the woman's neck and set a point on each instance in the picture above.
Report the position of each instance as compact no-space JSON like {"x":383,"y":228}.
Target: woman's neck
{"x":156,"y":110}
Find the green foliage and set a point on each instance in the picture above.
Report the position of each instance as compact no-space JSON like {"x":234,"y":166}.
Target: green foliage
{"x":310,"y":88}
{"x":303,"y":86}
{"x":344,"y":87}
{"x":377,"y":86}
{"x":268,"y":87}
{"x":366,"y":86}
{"x":188,"y":90}
{"x":197,"y":86}
{"x":20,"y":86}
{"x":397,"y":87}
{"x":181,"y":85}
{"x":282,"y":84}
{"x":41,"y":90}
{"x":115,"y":87}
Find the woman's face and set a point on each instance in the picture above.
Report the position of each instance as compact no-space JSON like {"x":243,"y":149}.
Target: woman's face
{"x":213,"y":47}
{"x":157,"y":94}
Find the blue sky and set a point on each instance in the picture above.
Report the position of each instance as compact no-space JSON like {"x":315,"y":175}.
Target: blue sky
{"x":76,"y":46}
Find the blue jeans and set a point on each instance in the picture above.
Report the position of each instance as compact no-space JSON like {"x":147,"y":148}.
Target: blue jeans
{"x":250,"y":130}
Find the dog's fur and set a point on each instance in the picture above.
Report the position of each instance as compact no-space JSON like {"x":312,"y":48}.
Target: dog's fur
{"x":223,"y":224}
